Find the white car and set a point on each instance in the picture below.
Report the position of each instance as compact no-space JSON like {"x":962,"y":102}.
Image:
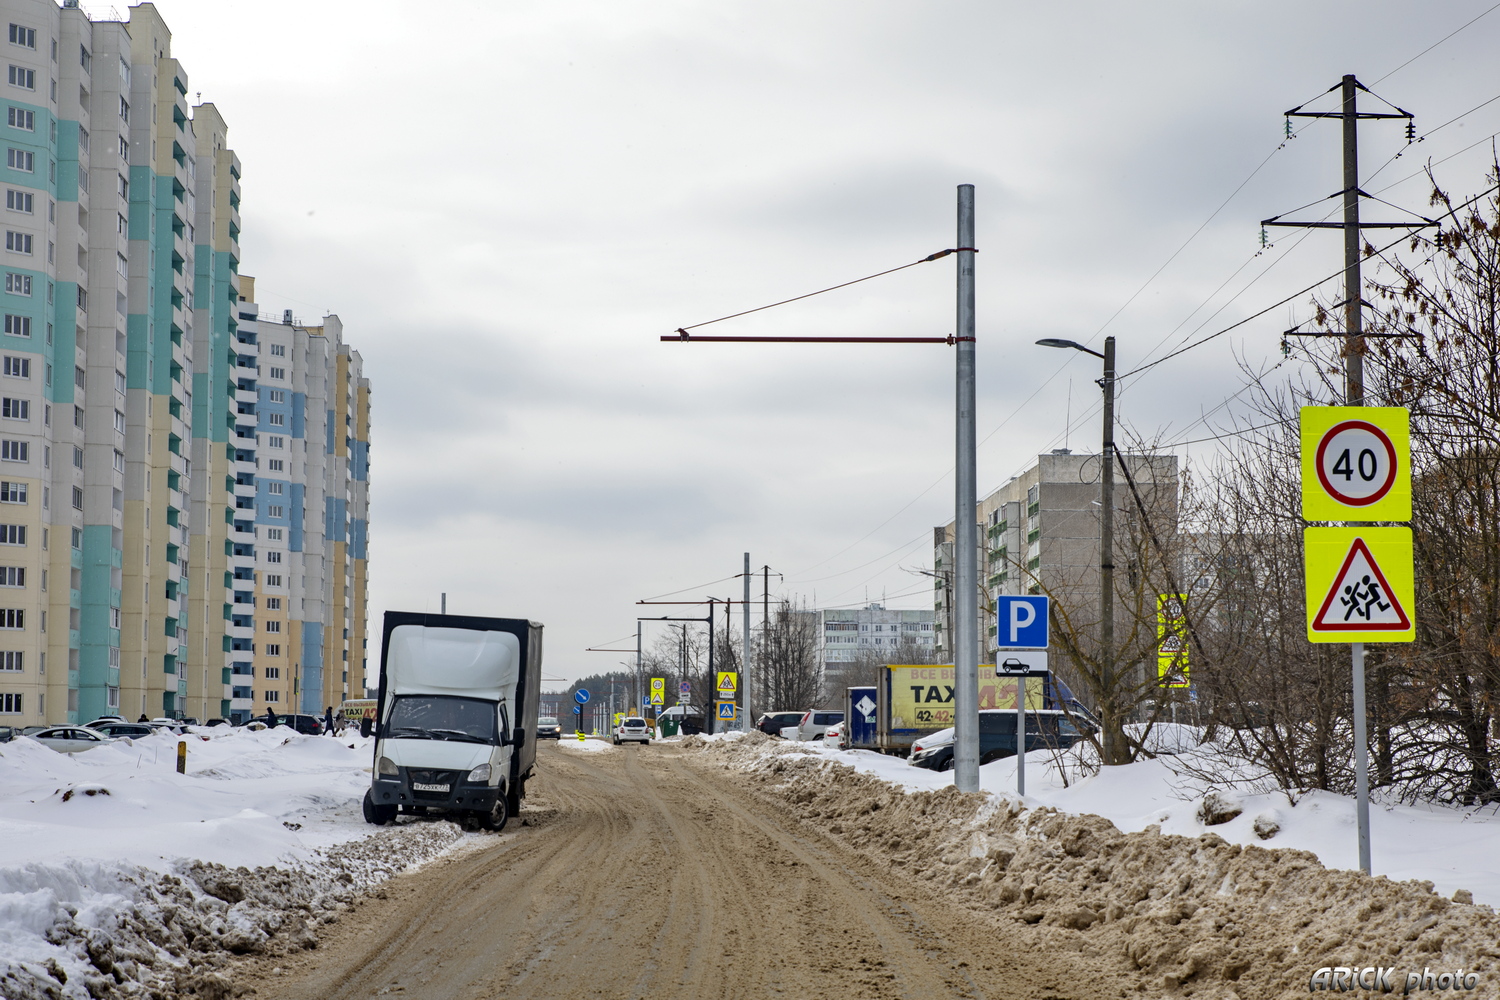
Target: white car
{"x":71,"y":739}
{"x":632,"y":728}
{"x":833,"y":736}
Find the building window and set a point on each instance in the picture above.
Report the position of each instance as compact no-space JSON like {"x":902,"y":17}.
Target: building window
{"x":273,"y":603}
{"x":79,"y":376}
{"x":15,"y":451}
{"x":275,"y":465}
{"x":21,"y":118}
{"x":123,"y":187}
{"x":273,"y":534}
{"x":83,"y":294}
{"x":12,"y":492}
{"x":17,"y":367}
{"x":12,"y":534}
{"x":15,"y":409}
{"x":114,"y":617}
{"x":124,"y":111}
{"x":273,"y":626}
{"x":23,"y":36}
{"x":19,"y":201}
{"x":278,"y":395}
{"x":77,"y":498}
{"x":273,"y":556}
{"x":12,"y":619}
{"x":22,"y":77}
{"x":10,"y":704}
{"x":273,"y":580}
{"x":17,"y":284}
{"x":120,"y":463}
{"x":85,"y":59}
{"x":11,"y":661}
{"x":12,"y":576}
{"x":275,"y":488}
{"x":122,"y":266}
{"x":120,"y":382}
{"x":119,"y":421}
{"x":276,"y":419}
{"x":271,"y":696}
{"x":279,"y":373}
{"x":20,"y":159}
{"x":17,"y":326}
{"x":275,"y":441}
{"x":273,"y":649}
{"x":18,"y":242}
{"x":77,"y":451}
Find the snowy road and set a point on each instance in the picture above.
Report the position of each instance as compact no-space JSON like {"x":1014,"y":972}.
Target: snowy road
{"x":645,"y":874}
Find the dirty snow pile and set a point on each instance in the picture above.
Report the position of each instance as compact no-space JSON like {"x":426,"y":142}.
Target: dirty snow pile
{"x":591,"y":745}
{"x":1168,"y":897}
{"x":121,"y":878}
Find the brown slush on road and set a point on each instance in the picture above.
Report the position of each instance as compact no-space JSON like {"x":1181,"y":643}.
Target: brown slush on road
{"x":643,"y":874}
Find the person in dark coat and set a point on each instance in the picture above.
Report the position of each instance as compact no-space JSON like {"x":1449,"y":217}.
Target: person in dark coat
{"x":270,"y":718}
{"x":328,"y":721}
{"x":143,"y":718}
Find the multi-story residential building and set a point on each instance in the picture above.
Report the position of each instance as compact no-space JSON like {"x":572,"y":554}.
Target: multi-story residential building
{"x":1040,"y":533}
{"x":310,"y":501}
{"x":844,"y":635}
{"x":131,"y":437}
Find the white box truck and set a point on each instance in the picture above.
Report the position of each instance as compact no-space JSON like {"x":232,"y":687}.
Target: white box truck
{"x":456,"y":716}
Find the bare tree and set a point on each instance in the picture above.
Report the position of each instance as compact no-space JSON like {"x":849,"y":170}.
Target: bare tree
{"x":788,"y":674}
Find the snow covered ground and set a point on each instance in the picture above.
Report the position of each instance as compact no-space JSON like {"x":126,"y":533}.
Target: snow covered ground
{"x":1451,"y":847}
{"x":94,"y":844}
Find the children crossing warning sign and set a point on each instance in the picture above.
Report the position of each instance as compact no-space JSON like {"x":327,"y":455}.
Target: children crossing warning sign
{"x":1360,"y":585}
{"x":727,"y":682}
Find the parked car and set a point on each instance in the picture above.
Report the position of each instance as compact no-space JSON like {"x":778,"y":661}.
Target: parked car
{"x":115,"y":730}
{"x":834,"y":737}
{"x":170,"y":725}
{"x":8,"y":733}
{"x":103,"y":719}
{"x":71,"y":739}
{"x":1048,"y":727}
{"x":632,"y":728}
{"x":547,"y":728}
{"x":772,"y":723}
{"x":307,"y":725}
{"x":815,"y":723}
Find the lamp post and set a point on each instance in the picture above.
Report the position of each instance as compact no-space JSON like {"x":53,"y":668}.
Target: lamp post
{"x":1106,"y":546}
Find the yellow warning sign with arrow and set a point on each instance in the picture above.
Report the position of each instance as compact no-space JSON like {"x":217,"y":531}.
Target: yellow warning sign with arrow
{"x":728,"y":682}
{"x":1360,"y":585}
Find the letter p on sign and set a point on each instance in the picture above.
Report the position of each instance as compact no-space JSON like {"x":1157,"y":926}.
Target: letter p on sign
{"x":1022,"y":622}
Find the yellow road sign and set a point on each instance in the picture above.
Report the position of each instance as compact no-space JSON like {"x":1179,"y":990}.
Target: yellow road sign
{"x":1360,"y":585}
{"x":725,"y":710}
{"x":727,"y":682}
{"x":1171,"y":641}
{"x":658,"y":690}
{"x":1356,"y":463}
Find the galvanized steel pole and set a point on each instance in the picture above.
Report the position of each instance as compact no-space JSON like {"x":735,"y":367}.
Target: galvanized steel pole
{"x":745,"y":660}
{"x":966,"y":530}
{"x":1108,"y":678}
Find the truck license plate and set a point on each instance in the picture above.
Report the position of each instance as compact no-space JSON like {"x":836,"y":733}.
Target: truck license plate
{"x":420,"y":787}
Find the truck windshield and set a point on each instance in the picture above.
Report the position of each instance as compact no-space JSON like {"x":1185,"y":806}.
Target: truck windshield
{"x":441,"y":717}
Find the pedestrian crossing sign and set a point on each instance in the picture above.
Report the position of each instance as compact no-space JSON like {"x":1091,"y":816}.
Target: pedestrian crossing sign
{"x":726,"y":709}
{"x":727,"y":682}
{"x":1360,"y":585}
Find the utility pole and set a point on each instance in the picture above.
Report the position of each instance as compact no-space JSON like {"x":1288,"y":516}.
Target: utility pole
{"x":638,"y":667}
{"x":966,"y":563}
{"x":745,"y":659}
{"x":1354,"y":370}
{"x":1112,"y":753}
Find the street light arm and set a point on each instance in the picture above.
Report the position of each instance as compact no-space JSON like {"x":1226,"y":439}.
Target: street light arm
{"x":1055,"y":342}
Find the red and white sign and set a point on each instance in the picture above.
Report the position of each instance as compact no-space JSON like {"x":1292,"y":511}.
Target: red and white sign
{"x":1356,"y":463}
{"x":1361,"y":599}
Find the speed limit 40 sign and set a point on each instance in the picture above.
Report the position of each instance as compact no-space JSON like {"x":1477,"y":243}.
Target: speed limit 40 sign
{"x":1356,"y":463}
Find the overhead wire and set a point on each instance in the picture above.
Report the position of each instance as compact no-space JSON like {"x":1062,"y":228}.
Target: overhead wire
{"x":1435,"y":44}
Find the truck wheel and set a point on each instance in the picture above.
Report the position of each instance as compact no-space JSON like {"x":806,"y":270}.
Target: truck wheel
{"x":497,"y":817}
{"x":375,"y":814}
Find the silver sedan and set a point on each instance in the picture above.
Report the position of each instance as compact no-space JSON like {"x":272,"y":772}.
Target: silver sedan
{"x":71,"y":739}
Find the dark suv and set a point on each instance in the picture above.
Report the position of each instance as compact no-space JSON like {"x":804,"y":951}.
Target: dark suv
{"x":997,"y":737}
{"x":773,"y":722}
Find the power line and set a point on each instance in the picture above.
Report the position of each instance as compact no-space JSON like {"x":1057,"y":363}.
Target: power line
{"x":1435,"y":44}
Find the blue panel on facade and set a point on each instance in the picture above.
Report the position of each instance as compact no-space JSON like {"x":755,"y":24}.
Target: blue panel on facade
{"x":359,"y":461}
{"x":299,"y":414}
{"x":358,"y":528}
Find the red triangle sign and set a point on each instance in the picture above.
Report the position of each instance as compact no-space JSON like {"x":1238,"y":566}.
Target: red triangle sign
{"x":1360,"y":600}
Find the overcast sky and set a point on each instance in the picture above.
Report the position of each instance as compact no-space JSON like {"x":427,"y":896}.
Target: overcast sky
{"x":507,"y":203}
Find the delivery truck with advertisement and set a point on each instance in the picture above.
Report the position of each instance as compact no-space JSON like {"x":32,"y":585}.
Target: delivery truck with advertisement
{"x":456,"y":717}
{"x":909,"y":702}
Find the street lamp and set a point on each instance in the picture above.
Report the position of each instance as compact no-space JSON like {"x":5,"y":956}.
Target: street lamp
{"x":1106,"y":543}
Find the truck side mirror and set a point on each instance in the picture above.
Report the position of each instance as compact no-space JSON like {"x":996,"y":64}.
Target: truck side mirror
{"x":517,"y":737}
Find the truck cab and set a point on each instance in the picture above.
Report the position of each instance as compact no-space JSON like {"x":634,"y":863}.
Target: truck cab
{"x":456,"y":696}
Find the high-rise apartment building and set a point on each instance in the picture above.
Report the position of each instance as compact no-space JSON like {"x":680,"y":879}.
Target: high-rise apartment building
{"x":131,"y":440}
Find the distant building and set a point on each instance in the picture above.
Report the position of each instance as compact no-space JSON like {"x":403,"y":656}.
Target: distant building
{"x":845,"y":634}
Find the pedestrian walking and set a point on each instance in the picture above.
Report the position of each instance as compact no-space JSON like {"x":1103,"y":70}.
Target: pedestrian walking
{"x":328,"y":721}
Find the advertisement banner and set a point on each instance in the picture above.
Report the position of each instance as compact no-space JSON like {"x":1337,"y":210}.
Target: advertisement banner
{"x":922,"y":697}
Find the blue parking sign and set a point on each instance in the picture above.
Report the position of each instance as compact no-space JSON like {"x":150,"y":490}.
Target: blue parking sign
{"x":1021,"y":622}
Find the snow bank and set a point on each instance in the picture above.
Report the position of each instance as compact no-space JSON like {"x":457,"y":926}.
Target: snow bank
{"x":586,"y":746}
{"x":1190,"y":912}
{"x":119,"y":876}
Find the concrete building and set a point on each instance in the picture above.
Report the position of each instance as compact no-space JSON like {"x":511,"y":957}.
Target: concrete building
{"x":846,"y":634}
{"x":130,"y":404}
{"x":1039,"y":533}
